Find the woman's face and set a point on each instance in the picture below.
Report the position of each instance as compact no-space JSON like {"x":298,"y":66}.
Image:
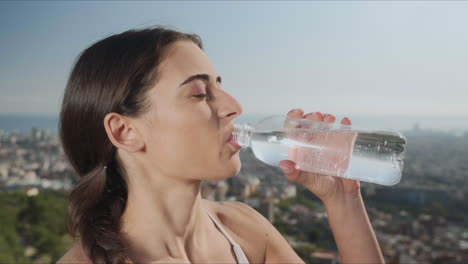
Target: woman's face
{"x":187,"y":136}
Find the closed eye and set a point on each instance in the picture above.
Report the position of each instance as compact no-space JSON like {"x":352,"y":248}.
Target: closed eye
{"x":200,"y":95}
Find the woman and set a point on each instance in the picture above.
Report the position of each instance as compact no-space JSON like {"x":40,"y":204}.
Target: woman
{"x":143,"y":121}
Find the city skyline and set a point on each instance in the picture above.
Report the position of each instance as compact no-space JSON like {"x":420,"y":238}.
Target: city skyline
{"x":422,"y":219}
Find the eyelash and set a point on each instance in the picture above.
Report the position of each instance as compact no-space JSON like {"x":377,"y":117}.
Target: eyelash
{"x":200,"y":95}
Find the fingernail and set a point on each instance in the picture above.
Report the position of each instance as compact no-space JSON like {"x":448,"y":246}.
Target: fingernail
{"x":318,"y":114}
{"x":286,"y":169}
{"x":312,"y":113}
{"x":329,"y":117}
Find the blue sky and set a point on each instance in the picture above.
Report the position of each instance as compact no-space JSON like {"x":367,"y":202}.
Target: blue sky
{"x":344,"y":57}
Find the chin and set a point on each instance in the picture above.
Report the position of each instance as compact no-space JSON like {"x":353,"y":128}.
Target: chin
{"x":226,"y":171}
{"x":235,"y":164}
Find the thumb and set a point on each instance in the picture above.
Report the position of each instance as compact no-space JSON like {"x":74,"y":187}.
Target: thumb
{"x":291,"y":173}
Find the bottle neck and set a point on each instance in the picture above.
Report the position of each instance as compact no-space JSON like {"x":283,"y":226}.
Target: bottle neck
{"x":242,"y":134}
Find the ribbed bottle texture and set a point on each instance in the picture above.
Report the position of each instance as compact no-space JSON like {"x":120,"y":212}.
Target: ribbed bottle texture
{"x":242,"y":135}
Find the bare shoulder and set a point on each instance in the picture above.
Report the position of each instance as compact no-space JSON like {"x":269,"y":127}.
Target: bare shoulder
{"x":238,"y":216}
{"x":262,"y":241}
{"x":74,"y":255}
{"x":245,"y":225}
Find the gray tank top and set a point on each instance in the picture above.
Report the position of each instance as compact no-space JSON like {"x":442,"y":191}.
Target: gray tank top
{"x":240,"y":256}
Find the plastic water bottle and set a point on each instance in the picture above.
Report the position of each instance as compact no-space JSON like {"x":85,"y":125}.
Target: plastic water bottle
{"x":326,"y":148}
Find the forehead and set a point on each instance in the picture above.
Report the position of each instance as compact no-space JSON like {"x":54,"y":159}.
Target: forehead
{"x":184,"y":58}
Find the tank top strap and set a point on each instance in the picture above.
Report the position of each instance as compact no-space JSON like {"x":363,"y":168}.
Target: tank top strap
{"x":240,"y":255}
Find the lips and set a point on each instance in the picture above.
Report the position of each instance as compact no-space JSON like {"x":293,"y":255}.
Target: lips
{"x":231,"y":140}
{"x":234,"y":143}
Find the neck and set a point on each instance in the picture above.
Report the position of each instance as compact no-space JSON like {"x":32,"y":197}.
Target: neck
{"x":164,"y":219}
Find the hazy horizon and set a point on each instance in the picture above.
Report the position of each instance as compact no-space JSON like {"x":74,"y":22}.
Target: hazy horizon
{"x":24,"y":122}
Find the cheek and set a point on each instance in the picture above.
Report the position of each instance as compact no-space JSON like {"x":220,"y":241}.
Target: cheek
{"x":185,"y":147}
{"x":189,"y":158}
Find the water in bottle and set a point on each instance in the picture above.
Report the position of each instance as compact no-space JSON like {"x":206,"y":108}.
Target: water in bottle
{"x":326,"y":148}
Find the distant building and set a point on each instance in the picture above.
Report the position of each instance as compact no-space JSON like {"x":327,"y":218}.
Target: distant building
{"x":208,"y":191}
{"x":32,"y":191}
{"x":4,"y":168}
{"x":36,"y":134}
{"x":221,"y":190}
{"x":289,"y":192}
{"x":267,"y":208}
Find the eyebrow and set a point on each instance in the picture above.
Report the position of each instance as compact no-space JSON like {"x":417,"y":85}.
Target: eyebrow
{"x":201,"y":76}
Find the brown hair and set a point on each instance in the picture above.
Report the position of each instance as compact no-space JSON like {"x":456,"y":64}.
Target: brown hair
{"x":112,"y":75}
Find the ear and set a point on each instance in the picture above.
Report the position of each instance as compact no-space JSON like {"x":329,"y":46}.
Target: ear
{"x":122,"y":133}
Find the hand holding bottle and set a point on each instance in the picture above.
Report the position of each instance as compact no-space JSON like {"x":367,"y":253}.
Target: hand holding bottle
{"x":323,"y":150}
{"x":327,"y":188}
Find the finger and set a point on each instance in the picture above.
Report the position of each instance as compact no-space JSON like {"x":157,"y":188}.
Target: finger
{"x":296,"y":113}
{"x":308,"y":180}
{"x":316,"y":116}
{"x":329,"y":118}
{"x":346,"y":121}
{"x":289,"y":170}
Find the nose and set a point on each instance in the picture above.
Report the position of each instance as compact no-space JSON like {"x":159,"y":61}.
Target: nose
{"x":228,"y":106}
